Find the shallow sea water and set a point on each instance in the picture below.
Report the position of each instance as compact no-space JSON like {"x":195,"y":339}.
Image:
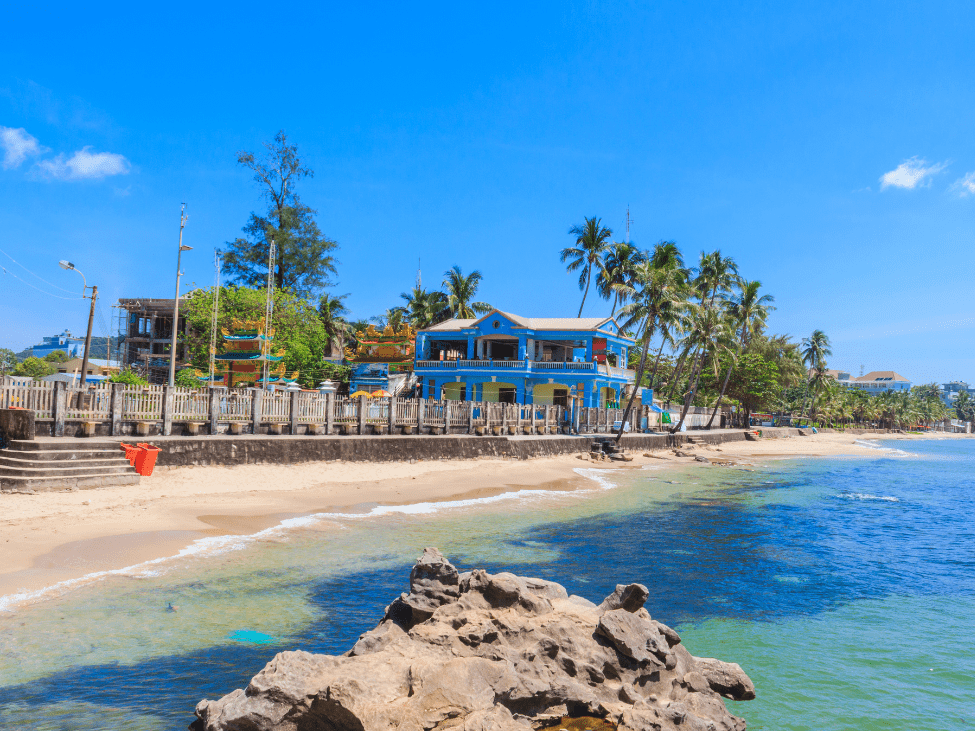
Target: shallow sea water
{"x":844,"y":587}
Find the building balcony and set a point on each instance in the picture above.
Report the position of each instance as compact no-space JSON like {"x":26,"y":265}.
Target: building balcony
{"x":527,"y":367}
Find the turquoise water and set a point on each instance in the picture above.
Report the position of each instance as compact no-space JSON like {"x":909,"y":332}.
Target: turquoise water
{"x":844,"y":587}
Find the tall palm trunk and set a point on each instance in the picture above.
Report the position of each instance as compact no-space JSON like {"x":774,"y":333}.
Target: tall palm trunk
{"x":647,"y":334}
{"x":586,"y":293}
{"x":727,"y":377}
{"x":695,"y":376}
{"x":656,"y":362}
{"x":677,"y":373}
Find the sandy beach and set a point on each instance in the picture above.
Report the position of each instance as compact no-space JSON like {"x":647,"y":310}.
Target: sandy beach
{"x":50,"y":537}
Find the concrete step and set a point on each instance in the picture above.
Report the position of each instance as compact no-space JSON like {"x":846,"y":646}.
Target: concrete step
{"x":78,"y":470}
{"x":59,"y":455}
{"x":51,"y":484}
{"x":8,"y":461}
{"x":63,"y":445}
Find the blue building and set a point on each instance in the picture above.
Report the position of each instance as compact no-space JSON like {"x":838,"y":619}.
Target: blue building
{"x":507,"y":358}
{"x":73,"y":346}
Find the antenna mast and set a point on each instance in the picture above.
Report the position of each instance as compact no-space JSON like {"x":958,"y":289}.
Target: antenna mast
{"x":216,"y":312}
{"x":628,"y":222}
{"x":268,"y":311}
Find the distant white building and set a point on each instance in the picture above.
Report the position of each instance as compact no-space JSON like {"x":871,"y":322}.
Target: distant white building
{"x":873,"y":383}
{"x":950,"y":391}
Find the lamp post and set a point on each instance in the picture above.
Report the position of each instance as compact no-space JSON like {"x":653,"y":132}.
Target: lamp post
{"x":64,"y":264}
{"x":179,"y":255}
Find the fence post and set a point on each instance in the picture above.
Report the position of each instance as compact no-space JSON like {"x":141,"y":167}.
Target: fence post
{"x":447,"y":408}
{"x":470,"y":417}
{"x":167,"y":411}
{"x":329,"y":412}
{"x":361,"y":414}
{"x":392,"y":414}
{"x":115,"y":409}
{"x":294,"y":412}
{"x":547,"y":416}
{"x":59,"y":407}
{"x":532,"y":407}
{"x":215,"y":399}
{"x":257,"y":399}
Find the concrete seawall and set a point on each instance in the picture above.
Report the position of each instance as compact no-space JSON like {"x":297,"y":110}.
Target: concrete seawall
{"x":219,"y":450}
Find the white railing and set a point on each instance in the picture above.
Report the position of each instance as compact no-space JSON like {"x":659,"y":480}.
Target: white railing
{"x":276,"y":406}
{"x":547,"y":365}
{"x":190,"y":404}
{"x":346,"y":410}
{"x":142,"y":403}
{"x":236,"y":405}
{"x":116,"y":403}
{"x":442,"y":364}
{"x":37,"y":396}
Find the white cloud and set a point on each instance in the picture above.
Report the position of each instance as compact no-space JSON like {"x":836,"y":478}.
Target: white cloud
{"x":966,"y":185}
{"x":910,"y":174}
{"x":85,"y":165}
{"x":17,"y":146}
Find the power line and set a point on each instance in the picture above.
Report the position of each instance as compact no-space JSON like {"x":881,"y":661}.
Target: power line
{"x":49,"y":294}
{"x":34,"y":275}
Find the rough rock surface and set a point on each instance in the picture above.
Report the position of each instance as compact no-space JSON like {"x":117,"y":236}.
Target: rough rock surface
{"x":483,"y":652}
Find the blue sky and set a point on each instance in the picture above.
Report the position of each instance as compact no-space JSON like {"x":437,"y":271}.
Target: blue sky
{"x":826,"y":147}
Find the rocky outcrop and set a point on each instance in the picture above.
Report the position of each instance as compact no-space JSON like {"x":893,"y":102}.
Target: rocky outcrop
{"x":492,"y":652}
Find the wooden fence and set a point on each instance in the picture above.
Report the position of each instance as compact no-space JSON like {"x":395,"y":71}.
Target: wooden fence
{"x":163,"y":406}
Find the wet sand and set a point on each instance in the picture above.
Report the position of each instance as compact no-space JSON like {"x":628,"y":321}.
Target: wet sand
{"x":51,"y":537}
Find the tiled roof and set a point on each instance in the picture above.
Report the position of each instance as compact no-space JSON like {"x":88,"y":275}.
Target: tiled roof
{"x":881,"y":376}
{"x":531,"y":323}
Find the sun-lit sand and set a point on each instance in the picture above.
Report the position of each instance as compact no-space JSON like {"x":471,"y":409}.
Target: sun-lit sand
{"x":53,"y":536}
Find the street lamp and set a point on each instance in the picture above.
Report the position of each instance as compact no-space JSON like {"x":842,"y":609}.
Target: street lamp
{"x":65,"y":264}
{"x":179,"y":255}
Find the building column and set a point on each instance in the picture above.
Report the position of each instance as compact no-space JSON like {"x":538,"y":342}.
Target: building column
{"x":470,"y":347}
{"x":522,"y":347}
{"x":468,"y":391}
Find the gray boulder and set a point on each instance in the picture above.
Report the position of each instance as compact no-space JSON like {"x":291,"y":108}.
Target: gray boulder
{"x":498,"y":652}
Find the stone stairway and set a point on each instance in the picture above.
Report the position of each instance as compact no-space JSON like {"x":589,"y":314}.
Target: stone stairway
{"x":63,"y":465}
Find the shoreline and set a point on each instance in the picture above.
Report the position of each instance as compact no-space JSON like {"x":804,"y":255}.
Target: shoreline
{"x":50,"y":538}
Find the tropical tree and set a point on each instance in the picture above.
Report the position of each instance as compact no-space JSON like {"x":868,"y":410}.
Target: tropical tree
{"x":461,"y":290}
{"x":712,"y":336}
{"x":33,"y":368}
{"x":8,"y":361}
{"x":749,"y":312}
{"x":964,"y":406}
{"x":392,"y":317}
{"x":659,"y":290}
{"x":297,"y":324}
{"x":619,"y":268}
{"x":586,"y":256}
{"x":57,"y":356}
{"x":425,"y":308}
{"x":304,"y":260}
{"x":333,"y":313}
{"x":815,"y":350}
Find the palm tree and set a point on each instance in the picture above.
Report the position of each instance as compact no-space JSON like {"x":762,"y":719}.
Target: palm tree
{"x":461,"y":290}
{"x":333,"y":312}
{"x":712,"y":336}
{"x":392,"y":317}
{"x":588,"y":253}
{"x":619,"y":267}
{"x":749,"y":311}
{"x":425,"y":308}
{"x":716,"y":275}
{"x":656,"y":292}
{"x":815,"y":350}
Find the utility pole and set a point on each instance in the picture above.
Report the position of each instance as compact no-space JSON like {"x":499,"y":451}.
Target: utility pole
{"x":216,"y":313}
{"x":91,"y":317}
{"x":179,"y":255}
